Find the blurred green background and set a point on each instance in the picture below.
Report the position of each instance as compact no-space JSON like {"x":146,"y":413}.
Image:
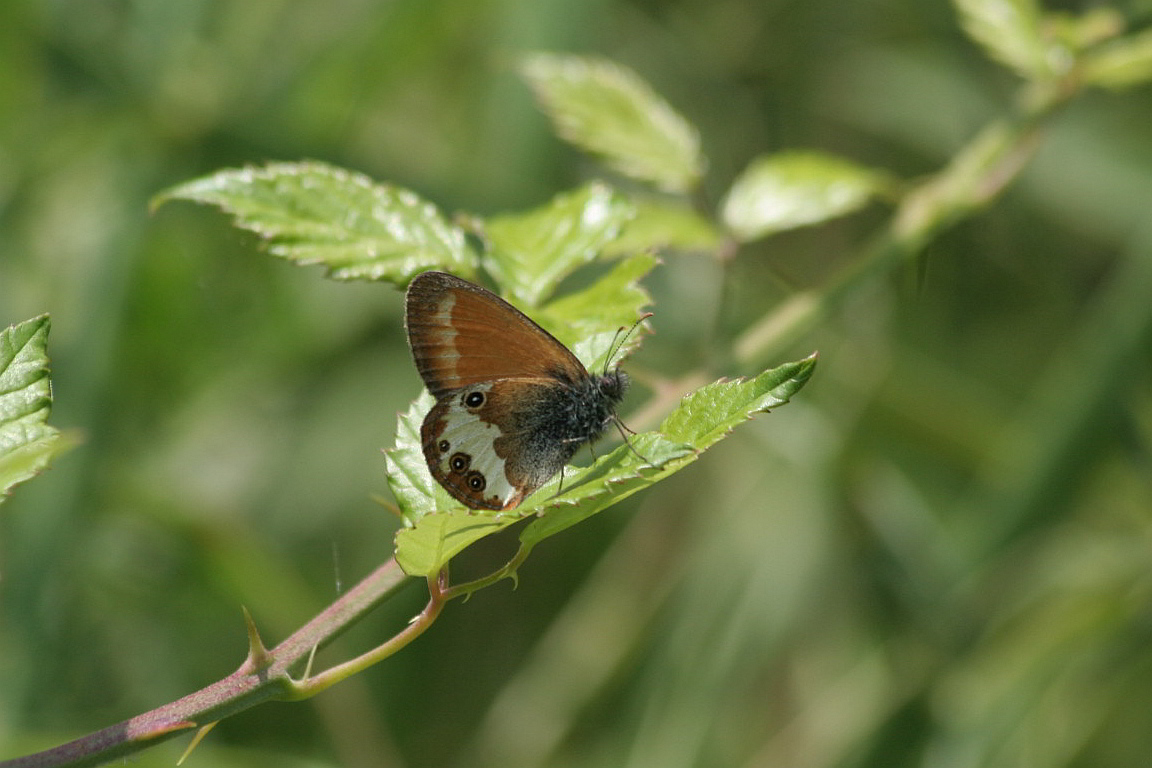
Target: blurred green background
{"x":939,"y":554}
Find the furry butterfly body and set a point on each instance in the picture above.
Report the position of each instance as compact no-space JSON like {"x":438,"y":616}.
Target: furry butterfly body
{"x":513,"y":404}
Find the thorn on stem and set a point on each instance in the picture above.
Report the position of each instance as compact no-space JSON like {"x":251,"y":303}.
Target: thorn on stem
{"x":258,"y":655}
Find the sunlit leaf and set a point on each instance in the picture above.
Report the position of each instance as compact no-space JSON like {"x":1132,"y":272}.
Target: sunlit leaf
{"x":408,"y":476}
{"x":435,"y":539}
{"x":1010,"y":32}
{"x":26,"y":441}
{"x":530,"y":253}
{"x":702,"y":419}
{"x":1082,"y":31}
{"x":312,"y":213}
{"x":588,"y":320}
{"x":610,"y":111}
{"x":709,"y":413}
{"x":667,"y":224}
{"x":795,"y":189}
{"x":425,"y":549}
{"x":1122,"y":63}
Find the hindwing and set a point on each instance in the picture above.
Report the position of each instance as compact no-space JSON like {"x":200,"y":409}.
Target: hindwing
{"x":488,"y":445}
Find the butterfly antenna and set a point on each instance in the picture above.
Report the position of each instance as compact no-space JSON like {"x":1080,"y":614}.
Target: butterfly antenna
{"x":613,"y":348}
{"x":611,"y":351}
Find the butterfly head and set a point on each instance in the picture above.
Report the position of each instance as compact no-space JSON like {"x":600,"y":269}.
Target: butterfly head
{"x":612,"y":385}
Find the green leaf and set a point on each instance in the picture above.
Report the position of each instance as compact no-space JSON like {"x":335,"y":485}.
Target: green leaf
{"x":1121,"y":63}
{"x":1010,"y":31}
{"x":610,"y":480}
{"x":312,"y":213}
{"x":710,"y":412}
{"x":662,"y":223}
{"x":445,"y":525}
{"x":794,"y":189}
{"x":702,"y":419}
{"x":588,"y":321}
{"x":27,"y":443}
{"x":610,"y":111}
{"x":435,"y":539}
{"x":1080,"y":32}
{"x":530,"y":253}
{"x":408,"y":476}
{"x":423,"y":550}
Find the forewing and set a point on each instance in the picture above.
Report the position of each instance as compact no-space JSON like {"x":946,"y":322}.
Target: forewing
{"x":462,"y":334}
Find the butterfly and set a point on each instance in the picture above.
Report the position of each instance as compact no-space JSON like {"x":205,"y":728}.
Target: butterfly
{"x":513,"y":404}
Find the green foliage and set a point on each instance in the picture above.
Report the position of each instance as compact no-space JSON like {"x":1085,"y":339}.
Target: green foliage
{"x":795,"y":189}
{"x":608,"y":110}
{"x":706,"y":415}
{"x":1011,"y":32}
{"x":27,"y":442}
{"x":670,"y":224}
{"x":936,"y":553}
{"x":589,"y":320}
{"x":530,"y":253}
{"x":312,"y":213}
{"x":408,"y":477}
{"x":702,"y":418}
{"x":1121,"y":63}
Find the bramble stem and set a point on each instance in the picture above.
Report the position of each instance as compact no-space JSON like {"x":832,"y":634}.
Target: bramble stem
{"x":975,"y":176}
{"x":262,"y":676}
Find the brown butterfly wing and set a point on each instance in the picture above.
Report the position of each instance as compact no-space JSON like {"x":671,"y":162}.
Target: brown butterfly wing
{"x":462,"y":334}
{"x":489,"y":443}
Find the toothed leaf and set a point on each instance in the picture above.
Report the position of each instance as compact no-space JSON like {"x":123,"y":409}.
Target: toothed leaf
{"x":27,"y":443}
{"x":589,"y":321}
{"x":1010,"y":31}
{"x":796,"y":189}
{"x":530,"y":253}
{"x":701,"y":419}
{"x":1121,"y":63}
{"x":671,"y":224}
{"x":610,"y":111}
{"x":312,"y":213}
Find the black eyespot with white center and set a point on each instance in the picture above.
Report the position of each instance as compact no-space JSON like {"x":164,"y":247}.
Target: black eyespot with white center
{"x":460,"y":462}
{"x":474,"y":399}
{"x":475,"y":481}
{"x":443,"y":445}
